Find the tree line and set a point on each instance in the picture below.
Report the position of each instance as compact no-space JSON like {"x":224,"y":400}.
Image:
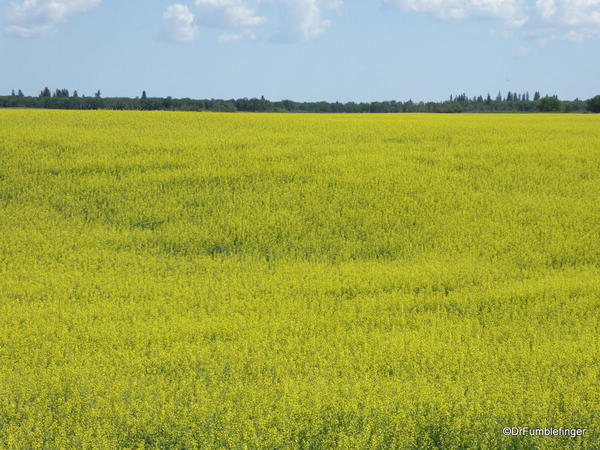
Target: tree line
{"x":510,"y":102}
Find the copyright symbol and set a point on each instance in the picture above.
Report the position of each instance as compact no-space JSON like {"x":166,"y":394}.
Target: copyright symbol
{"x":506,"y":431}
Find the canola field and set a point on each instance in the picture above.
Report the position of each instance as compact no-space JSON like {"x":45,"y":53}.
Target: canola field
{"x":241,"y":281}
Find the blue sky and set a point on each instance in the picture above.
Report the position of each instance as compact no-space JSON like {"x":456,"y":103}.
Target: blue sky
{"x":346,"y":50}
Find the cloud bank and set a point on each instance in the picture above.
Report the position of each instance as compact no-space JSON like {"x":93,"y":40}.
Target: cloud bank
{"x":304,"y":20}
{"x":542,"y":19}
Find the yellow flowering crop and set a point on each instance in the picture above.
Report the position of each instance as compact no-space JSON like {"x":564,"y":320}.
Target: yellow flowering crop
{"x":199,"y":280}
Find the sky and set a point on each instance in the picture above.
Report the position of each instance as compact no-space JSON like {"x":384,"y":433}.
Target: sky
{"x":304,"y":50}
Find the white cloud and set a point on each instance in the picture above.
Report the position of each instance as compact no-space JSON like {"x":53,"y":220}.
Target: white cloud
{"x":179,"y":23}
{"x":299,"y":20}
{"x":512,"y":12}
{"x":227,"y":14}
{"x":542,"y":20}
{"x":570,"y":19}
{"x":232,"y":37}
{"x":37,"y":18}
{"x":302,"y":20}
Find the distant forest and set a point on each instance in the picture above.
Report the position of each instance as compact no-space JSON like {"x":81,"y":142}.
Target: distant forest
{"x":510,"y":102}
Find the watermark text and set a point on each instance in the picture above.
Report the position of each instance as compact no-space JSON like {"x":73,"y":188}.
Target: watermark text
{"x":549,"y":431}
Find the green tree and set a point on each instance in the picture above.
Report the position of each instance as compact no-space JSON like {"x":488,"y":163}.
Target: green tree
{"x":549,"y":104}
{"x":593,"y":104}
{"x":145,"y":104}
